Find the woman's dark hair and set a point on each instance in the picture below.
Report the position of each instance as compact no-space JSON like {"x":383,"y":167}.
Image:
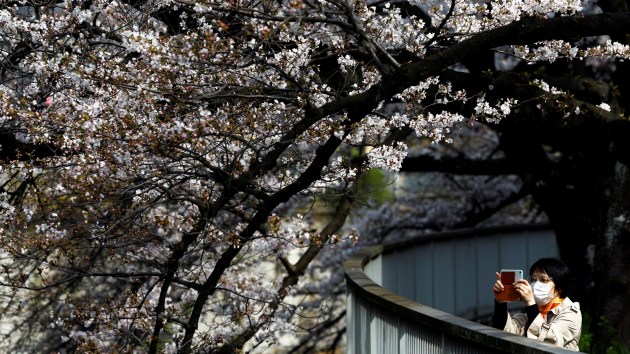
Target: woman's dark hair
{"x":557,"y":270}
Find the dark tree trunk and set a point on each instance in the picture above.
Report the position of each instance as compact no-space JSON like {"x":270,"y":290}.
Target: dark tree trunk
{"x":567,"y":189}
{"x":611,"y":320}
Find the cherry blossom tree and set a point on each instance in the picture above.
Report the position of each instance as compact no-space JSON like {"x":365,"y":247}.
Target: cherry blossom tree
{"x":161,"y":158}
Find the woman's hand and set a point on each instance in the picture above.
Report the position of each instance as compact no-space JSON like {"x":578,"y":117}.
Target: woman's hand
{"x":498,"y":286}
{"x":525,"y":290}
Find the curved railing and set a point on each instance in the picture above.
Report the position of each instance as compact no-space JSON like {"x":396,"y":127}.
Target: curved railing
{"x":448,"y":273}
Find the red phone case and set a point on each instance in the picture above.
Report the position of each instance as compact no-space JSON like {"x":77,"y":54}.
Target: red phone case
{"x":508,"y":293}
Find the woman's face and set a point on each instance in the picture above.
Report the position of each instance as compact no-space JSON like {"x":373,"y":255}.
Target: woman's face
{"x":541,"y":276}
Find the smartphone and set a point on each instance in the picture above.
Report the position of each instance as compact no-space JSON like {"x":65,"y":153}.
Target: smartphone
{"x":508,"y":278}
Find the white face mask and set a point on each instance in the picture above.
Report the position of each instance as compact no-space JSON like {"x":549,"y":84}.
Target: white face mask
{"x":542,"y":293}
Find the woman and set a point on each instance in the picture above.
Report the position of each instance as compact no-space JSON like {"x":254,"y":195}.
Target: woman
{"x":550,"y":315}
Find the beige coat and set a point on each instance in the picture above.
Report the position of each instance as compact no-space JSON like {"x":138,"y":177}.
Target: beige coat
{"x":562,"y":327}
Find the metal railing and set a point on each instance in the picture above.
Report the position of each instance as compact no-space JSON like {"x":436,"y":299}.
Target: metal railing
{"x":382,"y":281}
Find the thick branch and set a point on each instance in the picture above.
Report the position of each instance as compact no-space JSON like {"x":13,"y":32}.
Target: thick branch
{"x":171,"y":269}
{"x":474,"y":217}
{"x":461,"y":166}
{"x":526,"y":31}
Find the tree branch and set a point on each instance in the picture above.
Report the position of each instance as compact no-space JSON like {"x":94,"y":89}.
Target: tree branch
{"x":461,"y":166}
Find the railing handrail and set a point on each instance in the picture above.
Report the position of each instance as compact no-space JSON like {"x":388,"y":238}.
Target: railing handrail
{"x":360,"y":283}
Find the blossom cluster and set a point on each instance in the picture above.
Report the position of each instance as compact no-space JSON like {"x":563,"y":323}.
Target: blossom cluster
{"x":387,"y":157}
{"x":550,"y":51}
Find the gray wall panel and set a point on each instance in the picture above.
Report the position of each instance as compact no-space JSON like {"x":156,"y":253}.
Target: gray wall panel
{"x":423,"y":277}
{"x":405,"y":270}
{"x":374,"y":270}
{"x":389,"y":271}
{"x":443,"y":276}
{"x":465,"y":286}
{"x":513,"y":252}
{"x":487,"y":259}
